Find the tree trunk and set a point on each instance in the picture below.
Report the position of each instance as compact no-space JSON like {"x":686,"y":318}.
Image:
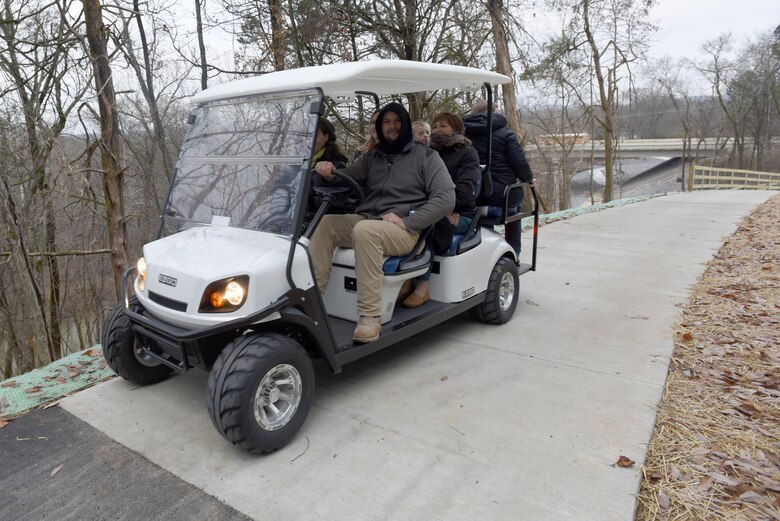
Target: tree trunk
{"x":146,"y":82}
{"x":278,"y":37}
{"x":110,"y":143}
{"x":503,"y":64}
{"x":16,"y":238}
{"x":204,"y":70}
{"x":55,"y":330}
{"x":606,"y":93}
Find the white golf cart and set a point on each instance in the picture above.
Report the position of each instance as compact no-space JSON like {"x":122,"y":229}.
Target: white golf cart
{"x":228,"y":285}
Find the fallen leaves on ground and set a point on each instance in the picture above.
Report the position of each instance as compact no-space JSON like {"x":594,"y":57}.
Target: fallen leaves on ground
{"x":57,"y":469}
{"x":625,"y":462}
{"x":715,"y":452}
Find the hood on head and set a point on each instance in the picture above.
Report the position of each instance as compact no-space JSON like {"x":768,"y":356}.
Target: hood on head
{"x":406,"y":129}
{"x":476,"y":123}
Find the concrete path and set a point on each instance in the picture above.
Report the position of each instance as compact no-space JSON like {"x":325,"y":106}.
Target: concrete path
{"x":468,"y":421}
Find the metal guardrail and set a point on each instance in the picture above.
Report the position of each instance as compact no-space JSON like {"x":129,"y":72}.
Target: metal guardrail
{"x":711,"y":178}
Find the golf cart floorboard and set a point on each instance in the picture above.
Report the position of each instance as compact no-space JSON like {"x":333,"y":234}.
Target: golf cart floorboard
{"x":523,"y":268}
{"x":405,"y":323}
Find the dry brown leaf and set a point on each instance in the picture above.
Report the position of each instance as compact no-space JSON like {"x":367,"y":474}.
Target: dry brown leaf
{"x":624,"y":462}
{"x":53,"y":472}
{"x":9,"y":383}
{"x":531,"y":302}
{"x":752,"y":497}
{"x":93,"y":352}
{"x":769,"y":483}
{"x":724,"y":479}
{"x":663,"y":501}
{"x":748,"y":409}
{"x":705,"y":484}
{"x":444,"y":378}
{"x":3,"y":423}
{"x":34,"y":389}
{"x":687,"y":336}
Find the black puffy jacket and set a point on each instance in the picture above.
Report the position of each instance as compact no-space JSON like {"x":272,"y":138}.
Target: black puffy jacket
{"x":508,"y":162}
{"x":463,"y":165}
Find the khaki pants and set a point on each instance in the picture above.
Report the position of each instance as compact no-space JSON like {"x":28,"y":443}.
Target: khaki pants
{"x":371,"y":239}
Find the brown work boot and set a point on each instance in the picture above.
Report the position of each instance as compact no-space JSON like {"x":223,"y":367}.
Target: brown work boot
{"x":367,"y":330}
{"x":415,"y":301}
{"x":405,"y":291}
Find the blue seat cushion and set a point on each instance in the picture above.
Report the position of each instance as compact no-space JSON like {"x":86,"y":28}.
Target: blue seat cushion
{"x":395,"y":265}
{"x":391,"y":264}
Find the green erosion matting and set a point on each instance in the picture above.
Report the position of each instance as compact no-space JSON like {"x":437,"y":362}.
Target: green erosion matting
{"x":52,"y":382}
{"x":80,"y":370}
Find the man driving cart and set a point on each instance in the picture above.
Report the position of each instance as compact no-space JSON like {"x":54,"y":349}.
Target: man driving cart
{"x":407,"y":189}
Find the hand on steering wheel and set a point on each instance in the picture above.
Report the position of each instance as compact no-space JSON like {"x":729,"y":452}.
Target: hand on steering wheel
{"x":354,"y":191}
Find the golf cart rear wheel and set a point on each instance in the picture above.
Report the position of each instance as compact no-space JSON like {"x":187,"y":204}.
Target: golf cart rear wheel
{"x":260,"y":390}
{"x":123,"y":352}
{"x":501,"y":296}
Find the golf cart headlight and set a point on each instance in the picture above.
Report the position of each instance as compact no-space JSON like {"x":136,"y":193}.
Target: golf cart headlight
{"x":141,"y":265}
{"x":225,"y":295}
{"x":234,"y":293}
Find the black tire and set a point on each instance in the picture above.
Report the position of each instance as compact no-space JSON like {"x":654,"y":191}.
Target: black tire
{"x":243,"y":394}
{"x":120,"y":350}
{"x":501,"y":296}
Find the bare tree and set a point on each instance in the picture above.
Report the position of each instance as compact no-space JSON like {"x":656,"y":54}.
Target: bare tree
{"x":37,"y":57}
{"x":615,"y":31}
{"x":145,"y":75}
{"x":504,"y":63}
{"x":110,"y":142}
{"x":204,"y":71}
{"x":668,"y":77}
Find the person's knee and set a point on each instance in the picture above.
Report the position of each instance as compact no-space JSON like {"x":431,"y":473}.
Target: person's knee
{"x":327,"y":221}
{"x":365,"y":231}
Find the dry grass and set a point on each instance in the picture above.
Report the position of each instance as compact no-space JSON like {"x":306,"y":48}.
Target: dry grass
{"x":715,"y":452}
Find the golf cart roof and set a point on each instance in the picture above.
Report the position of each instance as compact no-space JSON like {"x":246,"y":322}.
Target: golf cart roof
{"x":382,"y":77}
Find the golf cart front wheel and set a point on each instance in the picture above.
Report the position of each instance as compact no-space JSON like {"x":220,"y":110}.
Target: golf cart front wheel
{"x":260,"y":390}
{"x":123,"y":351}
{"x":501,"y":296}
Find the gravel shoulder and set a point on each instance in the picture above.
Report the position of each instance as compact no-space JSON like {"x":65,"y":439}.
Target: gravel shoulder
{"x":715,"y":451}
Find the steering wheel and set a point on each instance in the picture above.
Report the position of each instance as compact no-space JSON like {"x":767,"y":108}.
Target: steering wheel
{"x":353,"y":193}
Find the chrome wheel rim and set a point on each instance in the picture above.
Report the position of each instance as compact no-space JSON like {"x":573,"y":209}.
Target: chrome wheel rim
{"x":277,"y":397}
{"x":506,"y":292}
{"x":143,"y":357}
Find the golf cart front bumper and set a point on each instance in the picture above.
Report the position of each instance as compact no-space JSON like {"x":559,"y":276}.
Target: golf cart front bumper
{"x":182,"y":349}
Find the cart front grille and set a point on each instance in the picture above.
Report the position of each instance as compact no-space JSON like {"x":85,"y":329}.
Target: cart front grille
{"x":168,"y":302}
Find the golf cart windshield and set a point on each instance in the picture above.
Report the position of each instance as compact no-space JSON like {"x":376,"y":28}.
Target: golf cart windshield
{"x":243,"y":163}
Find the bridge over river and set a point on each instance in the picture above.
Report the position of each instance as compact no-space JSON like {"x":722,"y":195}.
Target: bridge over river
{"x":631,"y":148}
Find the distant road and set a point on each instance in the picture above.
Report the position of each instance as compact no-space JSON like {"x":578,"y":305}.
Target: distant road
{"x":636,"y":147}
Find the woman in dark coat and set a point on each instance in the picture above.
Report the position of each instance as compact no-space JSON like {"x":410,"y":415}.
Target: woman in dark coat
{"x":280,"y":201}
{"x":462,"y":162}
{"x":325,"y":146}
{"x":508,"y":162}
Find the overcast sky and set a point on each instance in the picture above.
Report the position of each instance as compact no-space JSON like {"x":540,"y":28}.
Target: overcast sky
{"x":683,"y":25}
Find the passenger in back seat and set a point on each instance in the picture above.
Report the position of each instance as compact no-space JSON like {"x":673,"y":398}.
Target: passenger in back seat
{"x":462,"y":162}
{"x":508,"y":162}
{"x":407,"y":189}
